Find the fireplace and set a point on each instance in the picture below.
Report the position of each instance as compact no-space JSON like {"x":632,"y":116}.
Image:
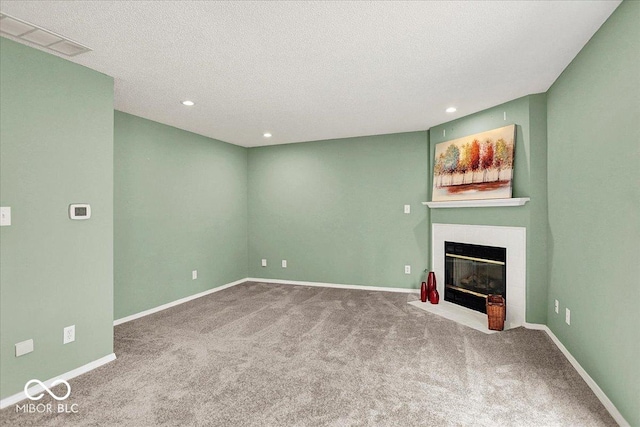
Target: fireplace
{"x":472,"y":272}
{"x":513,"y":239}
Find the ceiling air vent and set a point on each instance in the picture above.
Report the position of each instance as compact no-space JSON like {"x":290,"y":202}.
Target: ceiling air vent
{"x":22,"y":30}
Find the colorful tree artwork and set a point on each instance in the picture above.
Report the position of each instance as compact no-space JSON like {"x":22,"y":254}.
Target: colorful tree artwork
{"x":475,"y":167}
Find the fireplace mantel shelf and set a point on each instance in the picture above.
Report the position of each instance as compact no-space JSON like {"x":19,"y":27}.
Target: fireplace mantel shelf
{"x":514,"y":201}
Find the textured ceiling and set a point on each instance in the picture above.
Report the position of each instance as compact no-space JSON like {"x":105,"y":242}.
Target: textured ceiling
{"x":319,"y":70}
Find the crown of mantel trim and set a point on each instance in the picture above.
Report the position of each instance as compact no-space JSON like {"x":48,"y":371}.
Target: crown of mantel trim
{"x":514,"y":201}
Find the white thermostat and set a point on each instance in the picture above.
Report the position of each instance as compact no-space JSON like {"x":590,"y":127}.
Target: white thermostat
{"x":80,"y":211}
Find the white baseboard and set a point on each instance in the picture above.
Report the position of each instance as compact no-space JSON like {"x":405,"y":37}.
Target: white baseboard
{"x":176,"y":302}
{"x":536,"y":326}
{"x":11,"y":400}
{"x":617,"y":416}
{"x":333,"y":285}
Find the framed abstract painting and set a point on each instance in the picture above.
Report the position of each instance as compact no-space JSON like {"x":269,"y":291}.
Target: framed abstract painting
{"x":475,"y":167}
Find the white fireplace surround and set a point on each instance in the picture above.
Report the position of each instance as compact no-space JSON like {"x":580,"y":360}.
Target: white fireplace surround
{"x":514,"y":239}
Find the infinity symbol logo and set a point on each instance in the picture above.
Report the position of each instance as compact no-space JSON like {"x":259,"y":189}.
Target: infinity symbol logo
{"x":41,"y":384}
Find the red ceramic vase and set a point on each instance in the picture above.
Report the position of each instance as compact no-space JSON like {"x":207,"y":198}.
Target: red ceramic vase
{"x":431,"y":283}
{"x":423,"y":292}
{"x":434,"y":297}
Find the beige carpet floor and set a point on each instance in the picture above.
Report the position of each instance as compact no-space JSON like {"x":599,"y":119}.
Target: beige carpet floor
{"x":278,"y":355}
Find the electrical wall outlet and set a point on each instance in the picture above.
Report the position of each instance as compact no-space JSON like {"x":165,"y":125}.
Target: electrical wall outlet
{"x":24,"y":347}
{"x":557,"y":307}
{"x":264,"y":262}
{"x":407,"y":269}
{"x":407,"y":209}
{"x":567,"y":316}
{"x":69,"y":334}
{"x":284,"y":263}
{"x":194,"y":274}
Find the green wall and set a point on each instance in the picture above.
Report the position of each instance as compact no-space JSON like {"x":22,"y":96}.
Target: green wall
{"x":334,"y":210}
{"x":180,"y":205}
{"x":56,"y":148}
{"x":530,"y":169}
{"x":594,"y":208}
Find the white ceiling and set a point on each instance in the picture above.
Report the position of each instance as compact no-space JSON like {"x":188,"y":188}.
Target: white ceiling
{"x":319,"y":70}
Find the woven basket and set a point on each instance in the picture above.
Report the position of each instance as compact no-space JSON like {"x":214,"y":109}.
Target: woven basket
{"x":496,"y":312}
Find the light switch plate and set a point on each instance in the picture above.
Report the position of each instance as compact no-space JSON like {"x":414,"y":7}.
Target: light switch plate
{"x":567,"y":316}
{"x":24,"y":347}
{"x":5,"y":215}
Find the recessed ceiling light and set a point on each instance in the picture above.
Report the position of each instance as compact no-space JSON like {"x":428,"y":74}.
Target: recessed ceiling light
{"x":451,"y":110}
{"x":266,"y":135}
{"x":188,"y":103}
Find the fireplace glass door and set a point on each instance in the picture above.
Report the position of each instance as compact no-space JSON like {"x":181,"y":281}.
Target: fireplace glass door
{"x":472,"y":272}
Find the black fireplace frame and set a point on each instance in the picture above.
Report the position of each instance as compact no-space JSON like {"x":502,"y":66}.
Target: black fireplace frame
{"x":468,"y":299}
